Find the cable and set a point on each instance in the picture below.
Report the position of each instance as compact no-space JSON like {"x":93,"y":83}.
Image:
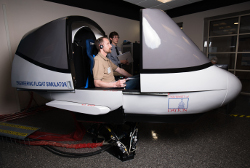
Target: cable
{"x":76,"y":155}
{"x":24,"y":113}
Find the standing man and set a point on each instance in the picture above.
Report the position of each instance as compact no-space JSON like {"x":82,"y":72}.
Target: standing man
{"x":115,"y":50}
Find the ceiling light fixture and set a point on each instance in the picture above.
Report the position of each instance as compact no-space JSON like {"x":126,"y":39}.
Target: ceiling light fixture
{"x":164,"y":1}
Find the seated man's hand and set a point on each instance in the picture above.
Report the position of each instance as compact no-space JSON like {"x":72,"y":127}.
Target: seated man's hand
{"x":125,"y":62}
{"x":120,"y":83}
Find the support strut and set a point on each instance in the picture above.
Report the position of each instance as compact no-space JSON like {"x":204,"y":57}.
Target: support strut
{"x":124,"y":137}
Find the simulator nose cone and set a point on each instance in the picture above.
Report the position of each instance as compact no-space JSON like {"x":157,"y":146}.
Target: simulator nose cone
{"x":233,"y":87}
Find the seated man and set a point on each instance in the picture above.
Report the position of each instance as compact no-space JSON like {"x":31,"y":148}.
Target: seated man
{"x":103,"y":69}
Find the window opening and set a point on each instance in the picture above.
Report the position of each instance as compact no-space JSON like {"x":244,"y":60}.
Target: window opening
{"x":228,"y":39}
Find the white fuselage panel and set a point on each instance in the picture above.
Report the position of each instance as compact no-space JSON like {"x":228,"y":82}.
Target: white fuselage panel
{"x":26,"y":75}
{"x":107,"y":98}
{"x":173,"y":103}
{"x":80,"y":108}
{"x":211,"y":78}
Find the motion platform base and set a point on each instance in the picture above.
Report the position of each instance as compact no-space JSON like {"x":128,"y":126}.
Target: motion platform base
{"x":116,"y":152}
{"x":122,"y":137}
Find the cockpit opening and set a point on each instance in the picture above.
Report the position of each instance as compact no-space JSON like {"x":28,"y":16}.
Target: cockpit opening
{"x":83,"y":54}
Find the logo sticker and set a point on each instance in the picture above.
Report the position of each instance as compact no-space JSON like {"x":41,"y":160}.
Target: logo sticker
{"x":178,"y":104}
{"x":45,"y":84}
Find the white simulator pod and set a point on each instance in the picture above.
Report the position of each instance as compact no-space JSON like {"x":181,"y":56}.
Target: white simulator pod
{"x":177,"y":81}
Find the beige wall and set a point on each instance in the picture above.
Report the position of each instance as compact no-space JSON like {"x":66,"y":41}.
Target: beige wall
{"x":17,"y":17}
{"x":8,"y":97}
{"x":193,"y":24}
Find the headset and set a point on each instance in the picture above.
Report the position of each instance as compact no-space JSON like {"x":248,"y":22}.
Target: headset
{"x":101,"y":46}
